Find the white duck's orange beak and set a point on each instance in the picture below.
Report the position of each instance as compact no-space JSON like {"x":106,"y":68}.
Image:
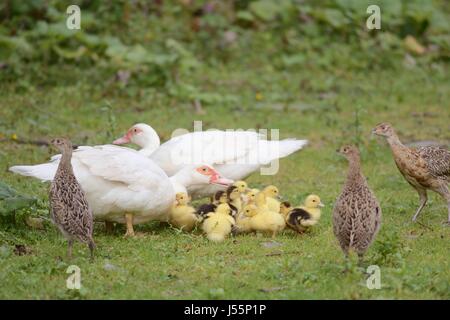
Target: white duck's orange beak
{"x":218,"y":179}
{"x":125,"y":139}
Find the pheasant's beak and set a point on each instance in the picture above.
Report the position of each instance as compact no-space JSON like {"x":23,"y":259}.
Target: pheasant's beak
{"x":125,"y":139}
{"x":321,"y":205}
{"x":279,"y":197}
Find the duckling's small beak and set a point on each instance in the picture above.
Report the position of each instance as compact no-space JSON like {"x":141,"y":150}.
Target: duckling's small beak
{"x":125,"y":139}
{"x":248,"y":189}
{"x":321,"y":205}
{"x":280,"y":197}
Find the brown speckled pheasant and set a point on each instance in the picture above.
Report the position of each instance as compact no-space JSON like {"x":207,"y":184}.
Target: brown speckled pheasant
{"x":356,"y":213}
{"x":424,"y":168}
{"x":69,"y":208}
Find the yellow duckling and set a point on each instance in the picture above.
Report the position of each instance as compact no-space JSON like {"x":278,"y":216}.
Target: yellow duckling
{"x":217,"y":225}
{"x":261,"y":201}
{"x":304,"y":217}
{"x":242,"y":186}
{"x":181,"y":214}
{"x":264,"y":220}
{"x":250,"y":196}
{"x":272,"y":193}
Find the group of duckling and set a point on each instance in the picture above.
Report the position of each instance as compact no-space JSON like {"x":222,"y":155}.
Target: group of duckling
{"x":240,"y":209}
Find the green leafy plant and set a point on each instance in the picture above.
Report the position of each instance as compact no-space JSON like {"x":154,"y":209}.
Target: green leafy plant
{"x":12,"y":201}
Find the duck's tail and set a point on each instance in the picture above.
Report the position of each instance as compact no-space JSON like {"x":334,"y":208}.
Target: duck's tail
{"x":289,"y":146}
{"x":43,"y":172}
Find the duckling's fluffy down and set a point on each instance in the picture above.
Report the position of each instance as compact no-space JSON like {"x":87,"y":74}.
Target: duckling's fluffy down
{"x":217,"y":226}
{"x":183,"y":217}
{"x":267,"y":221}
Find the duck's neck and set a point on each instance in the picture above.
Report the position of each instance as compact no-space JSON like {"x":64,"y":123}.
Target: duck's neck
{"x":149,"y":142}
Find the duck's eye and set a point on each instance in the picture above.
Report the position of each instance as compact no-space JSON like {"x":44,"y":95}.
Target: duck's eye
{"x":135,"y":130}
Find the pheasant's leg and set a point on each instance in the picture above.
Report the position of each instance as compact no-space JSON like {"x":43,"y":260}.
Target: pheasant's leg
{"x":448,"y":218}
{"x":69,"y":249}
{"x":274,"y":234}
{"x":447,"y":197}
{"x":444,"y":191}
{"x":91,"y":248}
{"x":109,"y":226}
{"x":129,"y":220}
{"x":423,"y":202}
{"x":346,"y":260}
{"x":360,"y":259}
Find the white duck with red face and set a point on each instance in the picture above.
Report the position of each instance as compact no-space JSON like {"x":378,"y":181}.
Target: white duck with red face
{"x":235,"y":154}
{"x":141,"y":135}
{"x":122,"y":185}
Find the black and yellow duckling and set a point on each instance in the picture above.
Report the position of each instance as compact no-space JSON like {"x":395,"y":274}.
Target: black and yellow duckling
{"x":234,"y":200}
{"x":303,"y":217}
{"x":218,"y":198}
{"x":218,"y":225}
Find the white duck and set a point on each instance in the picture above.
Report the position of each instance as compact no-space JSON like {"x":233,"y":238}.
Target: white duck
{"x":121,"y":185}
{"x":235,"y":154}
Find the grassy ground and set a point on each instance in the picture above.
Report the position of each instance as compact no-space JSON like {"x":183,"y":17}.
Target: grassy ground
{"x":162,"y":263}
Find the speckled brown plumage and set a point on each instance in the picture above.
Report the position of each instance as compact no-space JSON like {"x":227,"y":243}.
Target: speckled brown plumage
{"x":356,"y":213}
{"x":424,"y":168}
{"x":69,"y":208}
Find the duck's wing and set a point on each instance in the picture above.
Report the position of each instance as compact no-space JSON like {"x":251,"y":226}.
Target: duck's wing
{"x":122,"y":165}
{"x":222,"y":148}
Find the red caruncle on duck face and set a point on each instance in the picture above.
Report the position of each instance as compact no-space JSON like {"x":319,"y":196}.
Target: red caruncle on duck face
{"x":214,"y":176}
{"x":133,"y":131}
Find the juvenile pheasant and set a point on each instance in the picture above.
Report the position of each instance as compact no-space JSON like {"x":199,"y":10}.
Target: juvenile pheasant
{"x":423,"y":168}
{"x":356,"y":213}
{"x":69,"y":208}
